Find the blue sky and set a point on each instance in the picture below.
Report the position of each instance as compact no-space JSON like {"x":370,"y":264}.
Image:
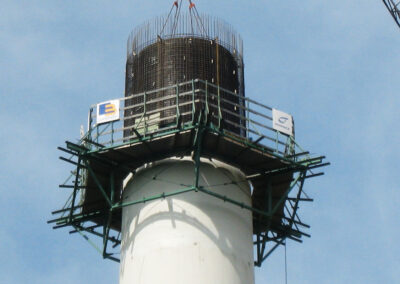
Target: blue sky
{"x":334,"y":65}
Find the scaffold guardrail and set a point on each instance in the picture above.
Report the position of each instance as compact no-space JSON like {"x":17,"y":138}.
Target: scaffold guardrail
{"x":177,"y":107}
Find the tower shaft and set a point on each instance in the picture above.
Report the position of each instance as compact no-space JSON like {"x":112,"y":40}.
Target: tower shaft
{"x":188,"y":238}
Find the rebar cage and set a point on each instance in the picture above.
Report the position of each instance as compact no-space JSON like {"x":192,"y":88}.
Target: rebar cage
{"x":167,"y":51}
{"x":185,"y":26}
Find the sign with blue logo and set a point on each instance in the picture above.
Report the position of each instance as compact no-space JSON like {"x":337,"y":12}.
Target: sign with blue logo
{"x":107,"y":111}
{"x":282,"y":122}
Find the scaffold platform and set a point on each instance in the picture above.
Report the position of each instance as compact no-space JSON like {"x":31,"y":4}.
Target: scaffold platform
{"x":273,"y":163}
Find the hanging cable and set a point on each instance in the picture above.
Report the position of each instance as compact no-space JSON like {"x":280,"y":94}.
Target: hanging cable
{"x":201,"y":22}
{"x":193,"y":13}
{"x":175,"y":4}
{"x":176,"y":18}
{"x":191,"y":16}
{"x":197,"y":17}
{"x":285,"y":264}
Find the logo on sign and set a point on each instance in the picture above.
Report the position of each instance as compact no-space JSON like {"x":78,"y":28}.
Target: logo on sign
{"x":283,"y":119}
{"x":107,"y":109}
{"x":282,"y":122}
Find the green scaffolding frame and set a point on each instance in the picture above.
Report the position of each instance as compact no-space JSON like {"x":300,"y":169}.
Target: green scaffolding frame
{"x":100,"y":222}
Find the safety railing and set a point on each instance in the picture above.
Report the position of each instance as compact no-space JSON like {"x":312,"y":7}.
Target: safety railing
{"x":178,"y":107}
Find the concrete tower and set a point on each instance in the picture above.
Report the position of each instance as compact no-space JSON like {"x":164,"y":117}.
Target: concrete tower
{"x":185,"y":178}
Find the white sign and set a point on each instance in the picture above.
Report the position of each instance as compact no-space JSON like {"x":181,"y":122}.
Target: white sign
{"x":107,"y":111}
{"x":282,"y":122}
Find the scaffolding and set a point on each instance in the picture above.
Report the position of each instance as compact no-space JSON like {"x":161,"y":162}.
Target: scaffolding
{"x":274,"y":164}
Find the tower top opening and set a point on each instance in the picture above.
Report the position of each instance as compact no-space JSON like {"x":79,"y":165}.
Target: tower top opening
{"x":184,"y":25}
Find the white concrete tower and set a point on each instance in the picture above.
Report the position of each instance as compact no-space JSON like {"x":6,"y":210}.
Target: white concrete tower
{"x":188,"y":238}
